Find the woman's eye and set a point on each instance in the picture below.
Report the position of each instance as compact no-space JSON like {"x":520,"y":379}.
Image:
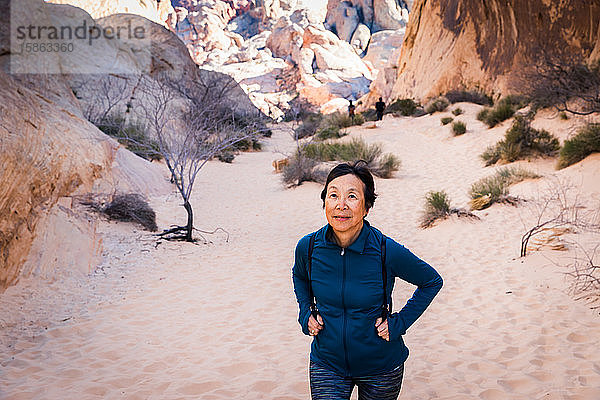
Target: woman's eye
{"x":352,"y":196}
{"x":332,"y":195}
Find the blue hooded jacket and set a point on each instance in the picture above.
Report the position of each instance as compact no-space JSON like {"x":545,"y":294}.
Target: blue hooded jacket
{"x":347,"y":285}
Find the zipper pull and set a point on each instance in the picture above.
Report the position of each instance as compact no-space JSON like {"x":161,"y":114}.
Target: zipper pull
{"x":342,"y":253}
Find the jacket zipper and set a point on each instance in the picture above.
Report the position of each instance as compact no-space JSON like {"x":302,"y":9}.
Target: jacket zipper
{"x":344,"y":311}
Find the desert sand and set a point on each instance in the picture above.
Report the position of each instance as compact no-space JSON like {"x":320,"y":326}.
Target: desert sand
{"x":217,"y":320}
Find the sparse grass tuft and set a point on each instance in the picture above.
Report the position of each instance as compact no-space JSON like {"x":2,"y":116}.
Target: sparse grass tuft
{"x":457,"y":111}
{"x":586,"y":142}
{"x":495,"y":188}
{"x":563,"y":115}
{"x":437,"y":104}
{"x":437,"y":206}
{"x":458,"y":128}
{"x":446,"y":120}
{"x":300,"y":169}
{"x":132,"y":135}
{"x":382,"y":165}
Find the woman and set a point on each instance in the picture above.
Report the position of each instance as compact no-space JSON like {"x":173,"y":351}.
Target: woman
{"x":339,"y":274}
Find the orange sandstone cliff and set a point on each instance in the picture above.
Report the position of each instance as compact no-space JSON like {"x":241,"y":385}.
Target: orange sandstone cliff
{"x":467,"y":44}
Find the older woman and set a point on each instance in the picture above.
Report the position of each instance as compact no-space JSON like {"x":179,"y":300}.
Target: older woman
{"x":343,"y":279}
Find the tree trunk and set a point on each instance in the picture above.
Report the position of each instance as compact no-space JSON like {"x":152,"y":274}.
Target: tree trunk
{"x":190,"y":221}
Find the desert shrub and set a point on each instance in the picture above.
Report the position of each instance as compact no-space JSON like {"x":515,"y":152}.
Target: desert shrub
{"x":437,"y":104}
{"x":329,"y":132}
{"x":520,"y":141}
{"x":299,"y":169}
{"x":405,"y":107}
{"x":132,"y":135}
{"x":459,"y":128}
{"x":369,"y":115}
{"x":437,"y":206}
{"x":309,"y":125}
{"x":469,"y":96}
{"x":503,"y":110}
{"x":132,"y":207}
{"x":446,"y":120}
{"x":495,"y":188}
{"x":457,"y":111}
{"x":563,"y":115}
{"x":382,"y":165}
{"x":586,"y":142}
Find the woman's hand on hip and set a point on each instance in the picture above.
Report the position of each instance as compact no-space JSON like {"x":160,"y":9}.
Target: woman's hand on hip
{"x":382,"y":329}
{"x":315,"y":325}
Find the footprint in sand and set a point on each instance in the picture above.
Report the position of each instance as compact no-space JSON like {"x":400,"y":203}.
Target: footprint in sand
{"x":577,"y":338}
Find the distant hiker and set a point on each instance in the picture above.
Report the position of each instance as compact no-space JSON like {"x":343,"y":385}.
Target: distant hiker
{"x":380,"y":108}
{"x":351,"y":111}
{"x":343,"y":277}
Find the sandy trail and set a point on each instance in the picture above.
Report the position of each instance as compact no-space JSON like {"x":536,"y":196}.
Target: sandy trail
{"x":218,"y":320}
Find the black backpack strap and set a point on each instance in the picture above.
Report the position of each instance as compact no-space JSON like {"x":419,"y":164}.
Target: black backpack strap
{"x":386,"y":307}
{"x":311,"y":245}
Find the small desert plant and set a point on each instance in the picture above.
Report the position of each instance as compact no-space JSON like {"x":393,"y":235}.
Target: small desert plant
{"x":299,"y":169}
{"x":586,"y":142}
{"x":329,"y":132}
{"x":503,"y":110}
{"x":405,"y":107}
{"x":495,"y":188}
{"x":132,"y":207}
{"x":437,"y":104}
{"x":563,"y":115}
{"x":437,"y":206}
{"x":446,"y":120}
{"x":309,"y":125}
{"x":520,"y":141}
{"x":458,"y":128}
{"x":457,"y":111}
{"x":469,"y":96}
{"x":382,"y":165}
{"x":369,"y":115}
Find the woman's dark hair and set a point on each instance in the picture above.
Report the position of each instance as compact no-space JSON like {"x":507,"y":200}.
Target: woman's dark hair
{"x":361,"y":171}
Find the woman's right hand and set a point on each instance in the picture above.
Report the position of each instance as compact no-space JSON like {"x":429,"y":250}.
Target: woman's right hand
{"x":315,"y":325}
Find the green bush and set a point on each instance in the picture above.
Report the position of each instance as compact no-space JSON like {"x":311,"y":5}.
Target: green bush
{"x":437,"y":104}
{"x":446,"y":120}
{"x":563,"y":115}
{"x":459,"y":128}
{"x":369,"y":115}
{"x":405,"y":107}
{"x":457,"y":111}
{"x":503,"y":110}
{"x":520,"y":141}
{"x":382,"y":165}
{"x":437,"y":206}
{"x":469,"y":96}
{"x":586,"y":142}
{"x":495,"y":188}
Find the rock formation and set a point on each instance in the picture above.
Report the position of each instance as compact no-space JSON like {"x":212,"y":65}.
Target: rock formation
{"x":50,"y":154}
{"x":467,"y":44}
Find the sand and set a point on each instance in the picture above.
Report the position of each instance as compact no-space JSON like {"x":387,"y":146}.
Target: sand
{"x":217,"y":320}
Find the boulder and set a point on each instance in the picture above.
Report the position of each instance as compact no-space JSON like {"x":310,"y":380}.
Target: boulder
{"x":342,"y":18}
{"x":389,"y":14}
{"x":285,"y":36}
{"x":361,"y":38}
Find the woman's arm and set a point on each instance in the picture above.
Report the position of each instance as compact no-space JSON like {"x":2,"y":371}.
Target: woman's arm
{"x":412,"y":269}
{"x":301,"y":282}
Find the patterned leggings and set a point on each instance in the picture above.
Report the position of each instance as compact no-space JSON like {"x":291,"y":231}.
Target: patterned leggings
{"x":328,"y":385}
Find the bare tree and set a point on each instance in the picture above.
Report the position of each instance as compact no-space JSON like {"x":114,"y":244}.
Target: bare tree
{"x":191,"y":126}
{"x":566,"y":82}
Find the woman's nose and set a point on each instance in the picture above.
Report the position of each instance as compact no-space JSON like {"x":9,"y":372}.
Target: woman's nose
{"x":341,"y":204}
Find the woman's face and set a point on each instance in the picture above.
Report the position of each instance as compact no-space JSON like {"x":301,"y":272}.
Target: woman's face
{"x":345,"y":203}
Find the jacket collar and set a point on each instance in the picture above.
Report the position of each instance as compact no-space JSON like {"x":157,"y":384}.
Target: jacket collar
{"x":358,"y":245}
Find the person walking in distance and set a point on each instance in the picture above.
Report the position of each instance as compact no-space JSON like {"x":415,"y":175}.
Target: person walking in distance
{"x":380,"y":108}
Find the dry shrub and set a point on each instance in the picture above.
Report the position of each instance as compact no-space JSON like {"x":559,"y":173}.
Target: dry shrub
{"x":131,"y":207}
{"x":495,"y":188}
{"x":586,"y":142}
{"x":437,"y":104}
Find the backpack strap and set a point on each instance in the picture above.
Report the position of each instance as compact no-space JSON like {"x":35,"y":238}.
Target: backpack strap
{"x":386,"y":308}
{"x":311,"y":245}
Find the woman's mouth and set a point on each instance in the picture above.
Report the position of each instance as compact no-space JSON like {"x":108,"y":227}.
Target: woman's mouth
{"x":341,"y":218}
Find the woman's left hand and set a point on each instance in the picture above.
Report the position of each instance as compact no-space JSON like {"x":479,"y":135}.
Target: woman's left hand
{"x":382,"y":329}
